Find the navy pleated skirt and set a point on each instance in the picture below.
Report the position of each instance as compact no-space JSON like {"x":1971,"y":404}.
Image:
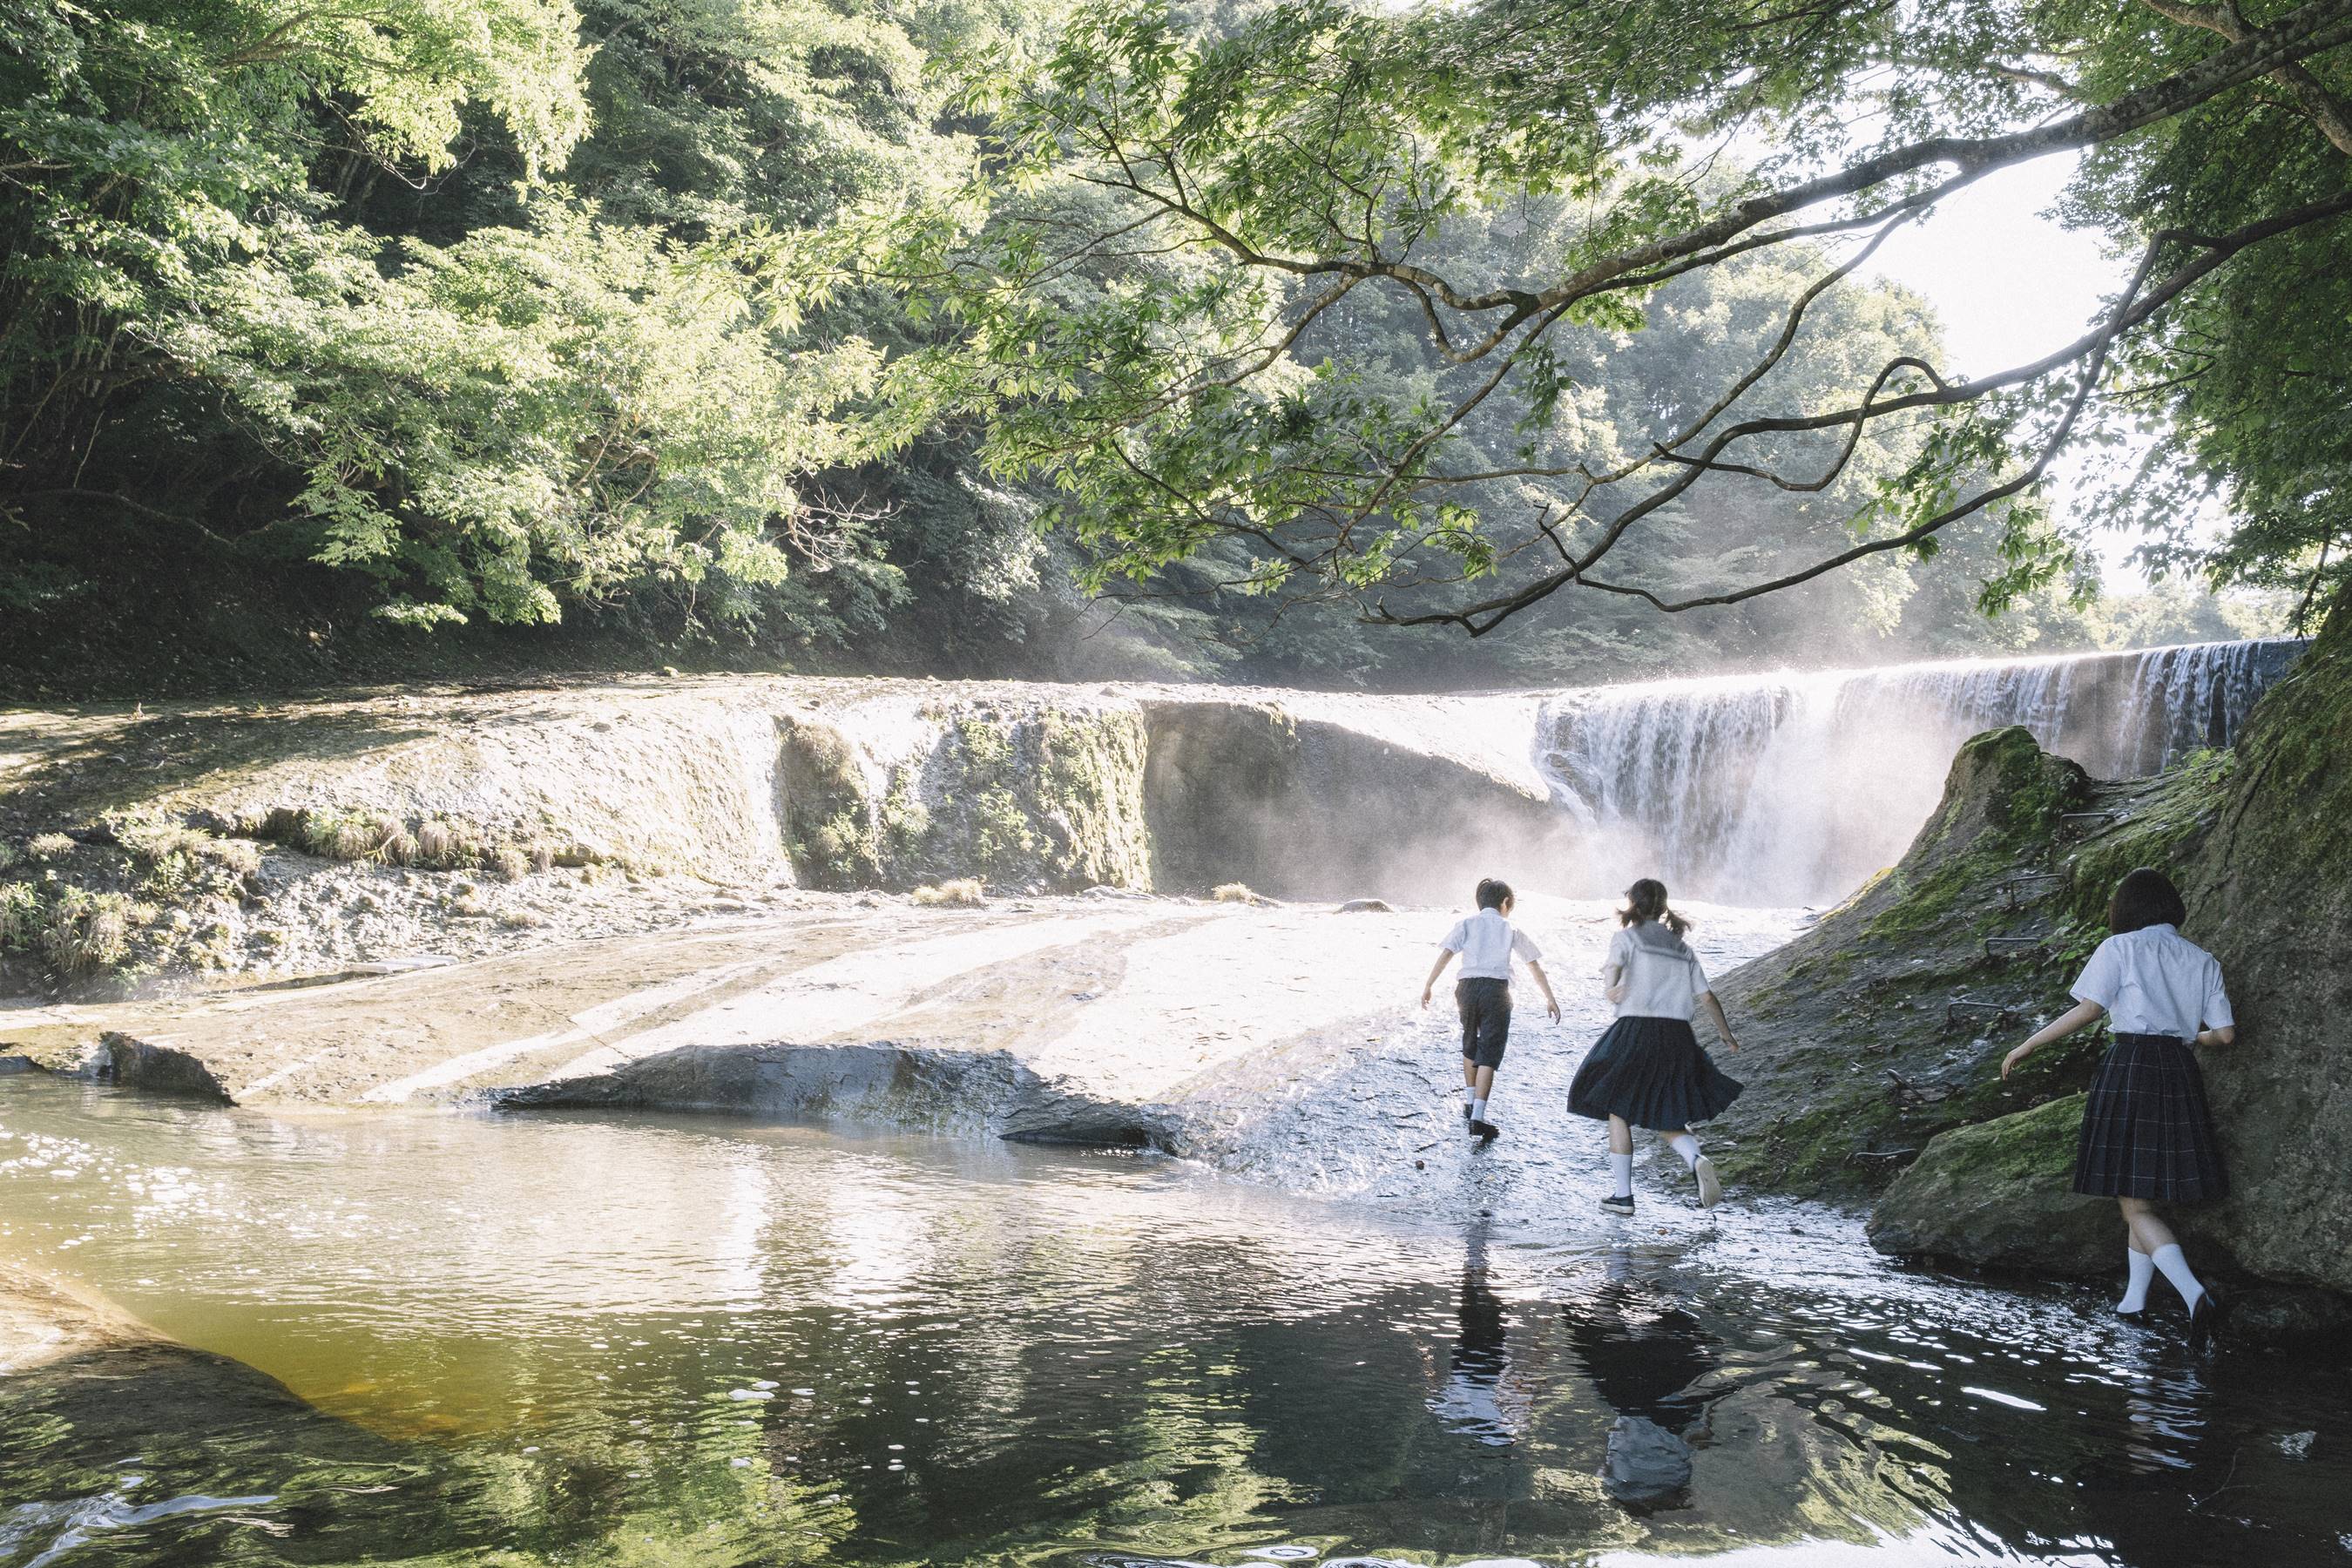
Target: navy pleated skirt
{"x":1652,"y":1072}
{"x":2146,"y":1130}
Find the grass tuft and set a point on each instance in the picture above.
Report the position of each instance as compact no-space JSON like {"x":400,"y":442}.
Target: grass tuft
{"x":436,"y":844}
{"x":343,"y":835}
{"x":960,"y":891}
{"x":20,"y":914}
{"x":86,"y":931}
{"x":49,"y":846}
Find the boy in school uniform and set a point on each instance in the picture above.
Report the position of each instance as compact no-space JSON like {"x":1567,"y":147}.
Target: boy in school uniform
{"x":1486,"y":943}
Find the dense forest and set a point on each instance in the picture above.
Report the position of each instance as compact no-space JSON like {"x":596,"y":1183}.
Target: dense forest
{"x":412,"y":335}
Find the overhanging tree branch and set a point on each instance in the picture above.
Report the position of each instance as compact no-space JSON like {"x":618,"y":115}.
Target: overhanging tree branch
{"x":2136,"y":306}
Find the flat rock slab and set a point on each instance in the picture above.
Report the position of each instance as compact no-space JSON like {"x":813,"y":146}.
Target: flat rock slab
{"x":1061,"y":1019}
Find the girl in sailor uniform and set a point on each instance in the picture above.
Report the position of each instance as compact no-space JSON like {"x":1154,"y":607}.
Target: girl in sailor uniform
{"x":2147,"y":1135}
{"x":1649,"y":1070}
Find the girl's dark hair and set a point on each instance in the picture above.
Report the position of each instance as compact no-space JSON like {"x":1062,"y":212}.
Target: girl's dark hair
{"x":2145,"y":898}
{"x":1646,"y":900}
{"x":1492,"y":893}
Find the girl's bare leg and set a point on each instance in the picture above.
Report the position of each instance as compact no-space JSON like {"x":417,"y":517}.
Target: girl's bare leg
{"x":2147,"y":1232}
{"x":2152,"y":1235}
{"x":1621,"y":1136}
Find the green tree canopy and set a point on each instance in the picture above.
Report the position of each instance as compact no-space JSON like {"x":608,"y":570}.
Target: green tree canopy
{"x":1161,"y":315}
{"x":509,"y":303}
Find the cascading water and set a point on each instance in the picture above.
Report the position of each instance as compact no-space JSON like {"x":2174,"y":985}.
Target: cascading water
{"x":1792,"y":788}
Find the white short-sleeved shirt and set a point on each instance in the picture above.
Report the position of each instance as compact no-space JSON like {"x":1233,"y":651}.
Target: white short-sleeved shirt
{"x":2154,"y":981}
{"x":1663,"y":976}
{"x":1488,"y":942}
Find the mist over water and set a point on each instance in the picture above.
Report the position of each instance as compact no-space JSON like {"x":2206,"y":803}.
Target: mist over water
{"x":1794,"y":788}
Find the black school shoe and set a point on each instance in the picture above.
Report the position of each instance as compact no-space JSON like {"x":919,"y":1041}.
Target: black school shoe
{"x":1619,"y":1206}
{"x":1485,"y":1132}
{"x":2201,"y":1320}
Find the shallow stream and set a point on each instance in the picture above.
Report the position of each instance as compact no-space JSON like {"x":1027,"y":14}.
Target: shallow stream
{"x":638,"y":1341}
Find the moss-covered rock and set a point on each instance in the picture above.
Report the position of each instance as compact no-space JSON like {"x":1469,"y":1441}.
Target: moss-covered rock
{"x":2269,"y":888}
{"x":1036,"y":795}
{"x":2261,"y":841}
{"x":1884,"y":1025}
{"x":831,"y":829}
{"x":2001,"y":1194}
{"x":1044,"y":793}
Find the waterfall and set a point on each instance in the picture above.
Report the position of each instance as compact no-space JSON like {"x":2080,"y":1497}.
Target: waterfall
{"x":1794,"y":788}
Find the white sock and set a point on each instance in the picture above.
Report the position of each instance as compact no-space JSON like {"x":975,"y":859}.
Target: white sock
{"x":1620,"y":1175}
{"x":1477,"y":1110}
{"x":1686,"y":1146}
{"x":2143,"y":1270}
{"x":1469,"y":1095}
{"x":2175,"y":1268}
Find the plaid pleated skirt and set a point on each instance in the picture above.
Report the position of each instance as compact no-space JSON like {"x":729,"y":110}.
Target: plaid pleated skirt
{"x":2146,"y":1130}
{"x":1654,"y":1073}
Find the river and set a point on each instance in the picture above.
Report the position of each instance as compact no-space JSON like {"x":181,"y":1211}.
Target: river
{"x":627,"y":1339}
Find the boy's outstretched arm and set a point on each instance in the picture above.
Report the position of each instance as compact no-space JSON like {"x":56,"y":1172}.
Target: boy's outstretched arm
{"x":1444,"y":957}
{"x":1551,"y":1002}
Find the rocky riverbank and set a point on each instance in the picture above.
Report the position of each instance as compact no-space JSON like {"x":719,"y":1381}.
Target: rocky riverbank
{"x":278,"y":840}
{"x":981,"y":906}
{"x":1885,"y":1025}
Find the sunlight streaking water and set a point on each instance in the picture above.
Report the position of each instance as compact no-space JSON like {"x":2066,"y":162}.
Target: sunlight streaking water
{"x":773,"y":1344}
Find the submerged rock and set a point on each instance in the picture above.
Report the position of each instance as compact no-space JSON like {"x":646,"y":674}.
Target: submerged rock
{"x":2000,"y":1196}
{"x":1648,"y":1467}
{"x":2285,"y":1317}
{"x":114,"y":1427}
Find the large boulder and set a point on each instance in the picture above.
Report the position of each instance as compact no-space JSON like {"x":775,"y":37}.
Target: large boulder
{"x":2260,"y":840}
{"x":2000,"y":1196}
{"x":2270,"y":893}
{"x":1321,"y":797}
{"x":1884,"y":1025}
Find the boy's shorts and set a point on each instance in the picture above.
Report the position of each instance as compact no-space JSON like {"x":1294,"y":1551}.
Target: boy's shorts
{"x":1485,"y":1007}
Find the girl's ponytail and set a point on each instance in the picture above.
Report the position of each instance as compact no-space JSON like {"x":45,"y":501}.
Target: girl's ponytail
{"x":1646,"y":900}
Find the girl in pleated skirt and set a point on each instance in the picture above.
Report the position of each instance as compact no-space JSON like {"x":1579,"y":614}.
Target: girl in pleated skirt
{"x":2147,"y":1134}
{"x":1649,"y":1069}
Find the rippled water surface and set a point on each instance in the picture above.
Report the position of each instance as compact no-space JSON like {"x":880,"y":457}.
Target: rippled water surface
{"x":603,"y":1340}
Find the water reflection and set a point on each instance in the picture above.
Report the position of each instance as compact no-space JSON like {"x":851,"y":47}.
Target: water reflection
{"x":1472,"y":1400}
{"x":629,"y":1341}
{"x":1643,"y":1350}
